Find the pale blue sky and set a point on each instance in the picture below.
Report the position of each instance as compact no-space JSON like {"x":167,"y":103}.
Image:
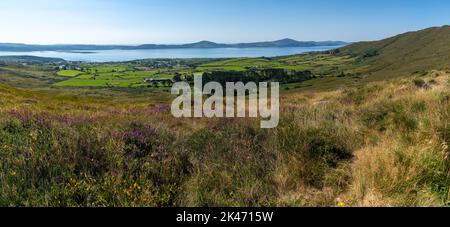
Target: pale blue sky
{"x":228,"y":21}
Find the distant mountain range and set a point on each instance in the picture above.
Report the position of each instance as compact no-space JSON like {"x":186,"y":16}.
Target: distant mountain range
{"x":17,"y":47}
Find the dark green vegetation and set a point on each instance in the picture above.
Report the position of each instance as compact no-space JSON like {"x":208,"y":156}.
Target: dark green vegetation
{"x":342,"y":140}
{"x":278,"y":75}
{"x":30,"y":60}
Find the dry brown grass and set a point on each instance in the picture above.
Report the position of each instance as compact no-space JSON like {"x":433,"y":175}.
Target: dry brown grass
{"x":402,"y":163}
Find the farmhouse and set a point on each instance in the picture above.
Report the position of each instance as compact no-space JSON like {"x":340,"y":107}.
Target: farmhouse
{"x":64,"y":67}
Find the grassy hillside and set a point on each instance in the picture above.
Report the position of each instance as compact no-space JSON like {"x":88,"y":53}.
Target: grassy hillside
{"x":383,"y":144}
{"x":403,"y":55}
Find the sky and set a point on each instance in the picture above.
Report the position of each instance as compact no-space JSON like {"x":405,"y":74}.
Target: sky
{"x":224,"y":21}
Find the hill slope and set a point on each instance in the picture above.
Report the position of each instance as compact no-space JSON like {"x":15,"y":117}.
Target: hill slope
{"x":404,"y":54}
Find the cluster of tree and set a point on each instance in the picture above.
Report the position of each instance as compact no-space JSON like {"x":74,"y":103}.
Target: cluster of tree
{"x":333,"y":52}
{"x":371,"y":53}
{"x":161,"y":84}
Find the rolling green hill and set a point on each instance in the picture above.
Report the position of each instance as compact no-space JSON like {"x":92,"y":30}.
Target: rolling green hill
{"x":404,"y":54}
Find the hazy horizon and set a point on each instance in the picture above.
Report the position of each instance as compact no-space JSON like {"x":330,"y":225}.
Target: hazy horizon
{"x":137,"y":44}
{"x":134,"y":22}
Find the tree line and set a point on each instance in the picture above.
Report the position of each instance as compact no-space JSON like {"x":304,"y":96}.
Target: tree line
{"x":282,"y":76}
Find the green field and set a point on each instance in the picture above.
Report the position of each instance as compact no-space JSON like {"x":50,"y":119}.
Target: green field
{"x":241,"y":64}
{"x":132,"y":74}
{"x":69,"y":73}
{"x":109,"y":76}
{"x":318,"y":63}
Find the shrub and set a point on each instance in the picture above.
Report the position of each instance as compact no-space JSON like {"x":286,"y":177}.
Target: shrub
{"x":433,"y":82}
{"x":435,"y":168}
{"x":312,"y":152}
{"x":419,"y":106}
{"x":371,"y":53}
{"x":359,"y":95}
{"x":387,"y":114}
{"x":325,"y":149}
{"x":376,"y":116}
{"x":232,"y":166}
{"x":420,"y":83}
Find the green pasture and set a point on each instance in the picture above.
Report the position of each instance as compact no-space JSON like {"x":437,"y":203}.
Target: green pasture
{"x":69,"y":73}
{"x":108,"y":76}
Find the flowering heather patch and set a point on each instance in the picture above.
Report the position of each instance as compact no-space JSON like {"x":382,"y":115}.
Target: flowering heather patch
{"x":158,"y":109}
{"x":151,"y":110}
{"x":114,"y":111}
{"x":139,"y":139}
{"x":21,"y":115}
{"x":43,"y":120}
{"x":139,"y":134}
{"x":48,"y":119}
{"x":75,"y":119}
{"x":26,"y":117}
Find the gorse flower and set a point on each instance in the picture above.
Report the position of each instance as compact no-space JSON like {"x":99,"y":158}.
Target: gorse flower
{"x":33,"y":136}
{"x":340,"y":202}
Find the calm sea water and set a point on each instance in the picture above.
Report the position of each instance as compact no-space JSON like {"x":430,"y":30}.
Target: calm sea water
{"x":128,"y":55}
